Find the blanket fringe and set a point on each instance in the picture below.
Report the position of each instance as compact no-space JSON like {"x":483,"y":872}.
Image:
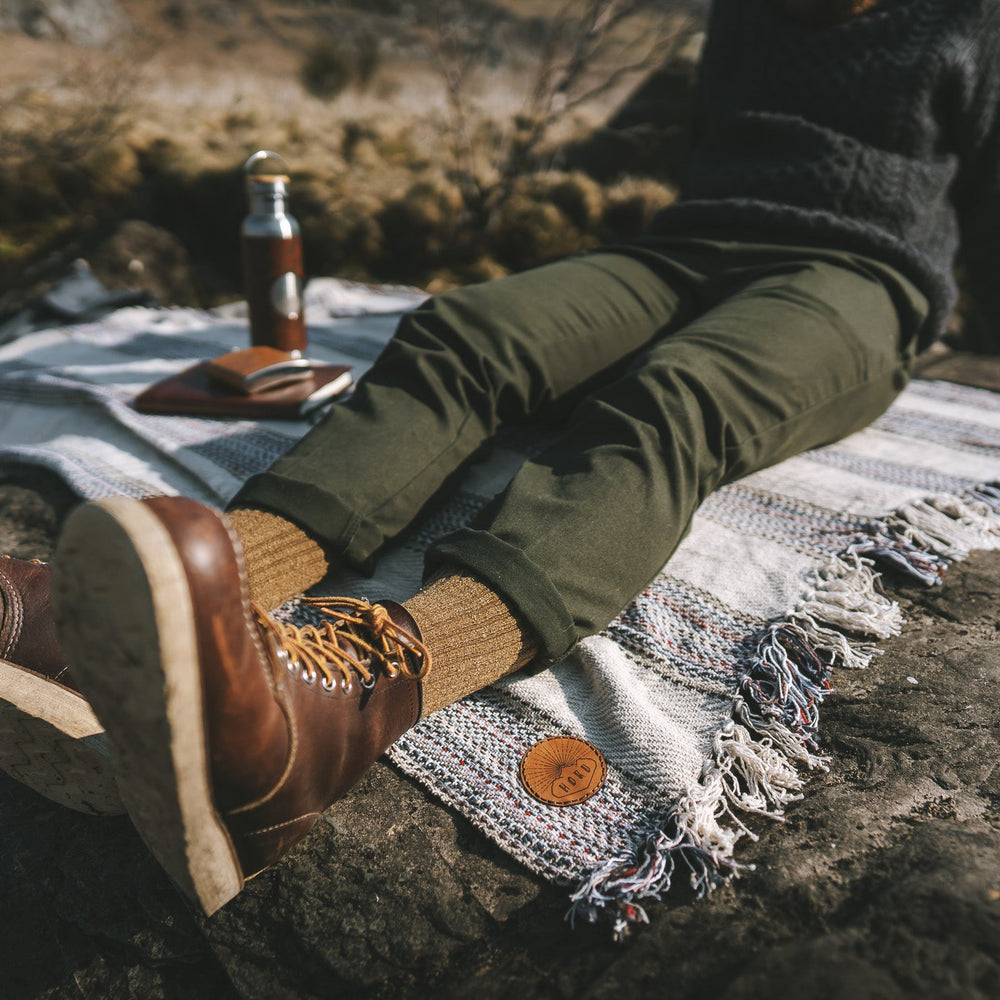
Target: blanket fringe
{"x":920,"y":538}
{"x":758,"y":756}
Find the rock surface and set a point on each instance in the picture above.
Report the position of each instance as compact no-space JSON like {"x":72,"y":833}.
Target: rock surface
{"x":884,"y":882}
{"x":83,"y":22}
{"x":142,"y":256}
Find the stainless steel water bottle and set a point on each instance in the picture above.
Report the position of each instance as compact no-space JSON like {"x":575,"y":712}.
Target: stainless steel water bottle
{"x":272,"y":257}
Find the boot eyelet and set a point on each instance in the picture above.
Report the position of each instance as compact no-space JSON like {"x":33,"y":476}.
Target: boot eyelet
{"x":369,"y":684}
{"x":328,"y":683}
{"x":392,"y":669}
{"x":309,"y":676}
{"x":346,"y":685}
{"x":281,"y":654}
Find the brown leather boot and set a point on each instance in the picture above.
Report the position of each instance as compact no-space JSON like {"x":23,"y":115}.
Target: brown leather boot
{"x":50,"y":739}
{"x":232,"y":732}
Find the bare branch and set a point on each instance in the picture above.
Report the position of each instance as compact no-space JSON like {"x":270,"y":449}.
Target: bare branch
{"x":583,"y":55}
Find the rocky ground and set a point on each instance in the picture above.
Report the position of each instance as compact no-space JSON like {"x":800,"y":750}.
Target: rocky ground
{"x":884,"y":882}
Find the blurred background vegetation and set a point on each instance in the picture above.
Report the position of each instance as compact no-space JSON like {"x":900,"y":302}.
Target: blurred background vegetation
{"x":433,"y":142}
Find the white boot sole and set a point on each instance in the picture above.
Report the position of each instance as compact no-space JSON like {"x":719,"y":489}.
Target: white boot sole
{"x":125,"y":612}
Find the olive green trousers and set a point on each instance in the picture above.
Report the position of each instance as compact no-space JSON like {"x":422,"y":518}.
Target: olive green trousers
{"x":672,"y":366}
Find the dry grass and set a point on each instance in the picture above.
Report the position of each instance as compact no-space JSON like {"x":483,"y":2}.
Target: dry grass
{"x":159,"y":135}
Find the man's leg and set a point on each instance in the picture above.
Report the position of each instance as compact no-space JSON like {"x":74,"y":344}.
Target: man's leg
{"x":457,"y":368}
{"x":233,"y":731}
{"x":794,"y":355}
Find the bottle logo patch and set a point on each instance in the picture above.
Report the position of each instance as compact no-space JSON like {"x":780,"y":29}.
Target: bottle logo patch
{"x":563,"y":770}
{"x":286,"y":295}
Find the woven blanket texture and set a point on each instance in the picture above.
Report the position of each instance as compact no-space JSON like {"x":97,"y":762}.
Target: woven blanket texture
{"x":703,"y":695}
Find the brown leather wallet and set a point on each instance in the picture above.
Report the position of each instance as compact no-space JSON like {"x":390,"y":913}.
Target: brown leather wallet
{"x":193,"y":392}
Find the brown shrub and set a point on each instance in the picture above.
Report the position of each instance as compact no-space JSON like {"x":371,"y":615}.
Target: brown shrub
{"x":331,"y":66}
{"x":631,"y":205}
{"x":65,"y":164}
{"x":358,"y":144}
{"x":343,"y":239}
{"x":398,"y":150}
{"x":481,"y":269}
{"x":420,"y":229}
{"x":523,"y":232}
{"x":580,"y":199}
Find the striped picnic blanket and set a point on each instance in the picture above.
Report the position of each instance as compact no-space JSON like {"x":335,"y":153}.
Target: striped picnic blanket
{"x":703,"y":695}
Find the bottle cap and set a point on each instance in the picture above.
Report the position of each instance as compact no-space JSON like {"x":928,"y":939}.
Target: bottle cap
{"x":266,"y":172}
{"x":266,"y":165}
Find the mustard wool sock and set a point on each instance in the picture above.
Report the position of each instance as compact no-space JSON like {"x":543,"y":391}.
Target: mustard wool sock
{"x":281,"y":559}
{"x":472,"y":636}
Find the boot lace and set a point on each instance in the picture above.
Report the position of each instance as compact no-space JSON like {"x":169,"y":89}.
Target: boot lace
{"x":381,"y":644}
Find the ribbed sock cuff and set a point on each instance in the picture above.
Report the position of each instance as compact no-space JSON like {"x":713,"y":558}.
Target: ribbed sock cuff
{"x":472,"y":635}
{"x":282,"y":560}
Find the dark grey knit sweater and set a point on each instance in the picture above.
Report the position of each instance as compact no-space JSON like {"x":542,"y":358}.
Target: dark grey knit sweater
{"x":881,"y":135}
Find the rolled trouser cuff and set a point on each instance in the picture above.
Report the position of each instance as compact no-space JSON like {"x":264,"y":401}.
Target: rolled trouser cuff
{"x":341,"y":531}
{"x":524,"y":586}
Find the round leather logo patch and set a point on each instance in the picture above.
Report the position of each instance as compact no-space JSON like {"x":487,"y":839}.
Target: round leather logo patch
{"x":563,"y":770}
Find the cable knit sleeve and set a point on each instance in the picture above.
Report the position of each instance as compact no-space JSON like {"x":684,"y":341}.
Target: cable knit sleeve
{"x":977,"y":189}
